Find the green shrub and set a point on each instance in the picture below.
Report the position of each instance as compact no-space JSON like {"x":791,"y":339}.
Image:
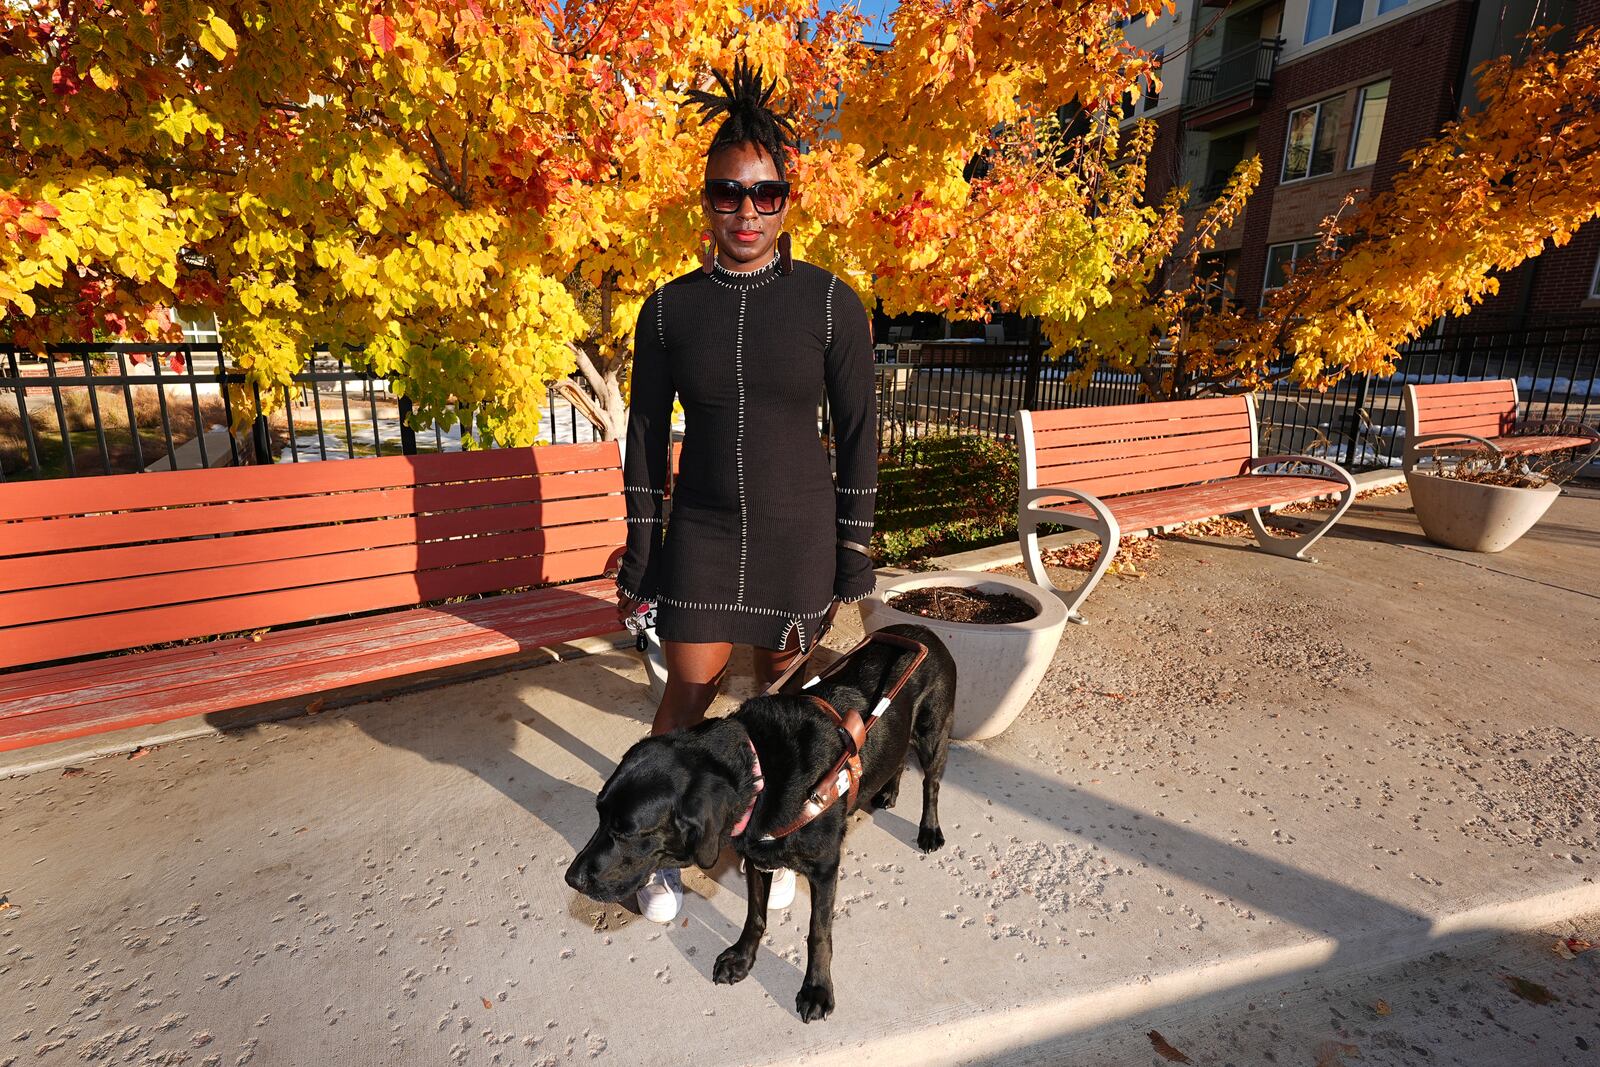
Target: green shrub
{"x":945,"y":494}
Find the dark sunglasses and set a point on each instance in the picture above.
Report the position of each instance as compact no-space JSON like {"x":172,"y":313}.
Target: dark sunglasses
{"x":727,"y":195}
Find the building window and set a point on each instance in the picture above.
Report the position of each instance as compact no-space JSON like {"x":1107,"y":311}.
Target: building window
{"x":1152,"y":95}
{"x":1311,"y":145}
{"x":1386,"y":6}
{"x":1594,"y":283}
{"x":1371,"y":103}
{"x":1330,"y":16}
{"x":1280,"y":263}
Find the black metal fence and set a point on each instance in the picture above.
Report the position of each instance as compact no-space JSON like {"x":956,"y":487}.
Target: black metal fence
{"x":125,"y":407}
{"x":1359,"y":422}
{"x":110,"y":408}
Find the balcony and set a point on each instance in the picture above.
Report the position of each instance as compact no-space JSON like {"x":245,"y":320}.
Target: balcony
{"x":1233,"y":86}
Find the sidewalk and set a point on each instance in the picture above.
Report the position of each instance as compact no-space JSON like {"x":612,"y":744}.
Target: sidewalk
{"x":1247,"y":776}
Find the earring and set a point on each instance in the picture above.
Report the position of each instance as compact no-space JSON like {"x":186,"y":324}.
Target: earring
{"x":708,"y":253}
{"x":785,"y":258}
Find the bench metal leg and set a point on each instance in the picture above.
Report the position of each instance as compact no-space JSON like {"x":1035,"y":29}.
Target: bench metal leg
{"x":1295,"y":547}
{"x":1028,"y":534}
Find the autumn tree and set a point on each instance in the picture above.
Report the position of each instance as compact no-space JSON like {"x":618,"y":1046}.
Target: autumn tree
{"x":1491,"y":190}
{"x":473,"y":197}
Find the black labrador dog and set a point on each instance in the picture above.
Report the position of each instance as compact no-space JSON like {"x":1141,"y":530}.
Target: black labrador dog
{"x":677,"y":799}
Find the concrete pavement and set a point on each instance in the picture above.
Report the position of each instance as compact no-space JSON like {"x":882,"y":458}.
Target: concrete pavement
{"x":1248,"y":778}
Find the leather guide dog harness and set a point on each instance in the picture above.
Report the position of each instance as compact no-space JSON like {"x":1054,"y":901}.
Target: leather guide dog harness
{"x":844,"y":777}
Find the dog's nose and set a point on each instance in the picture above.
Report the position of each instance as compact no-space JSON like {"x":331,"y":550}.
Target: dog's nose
{"x":576,"y":879}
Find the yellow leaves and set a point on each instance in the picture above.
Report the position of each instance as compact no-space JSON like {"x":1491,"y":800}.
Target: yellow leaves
{"x":216,"y":36}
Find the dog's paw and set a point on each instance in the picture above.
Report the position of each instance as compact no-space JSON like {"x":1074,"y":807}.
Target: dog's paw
{"x":732,"y":966}
{"x":930,"y":839}
{"x":814,"y":1002}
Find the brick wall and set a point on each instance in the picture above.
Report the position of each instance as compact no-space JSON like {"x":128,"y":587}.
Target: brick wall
{"x":1420,"y":55}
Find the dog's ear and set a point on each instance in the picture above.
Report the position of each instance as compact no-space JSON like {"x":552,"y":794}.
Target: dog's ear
{"x":701,"y":820}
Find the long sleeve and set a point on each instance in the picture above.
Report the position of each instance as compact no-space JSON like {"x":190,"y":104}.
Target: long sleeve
{"x":852,"y":407}
{"x":644,"y":462}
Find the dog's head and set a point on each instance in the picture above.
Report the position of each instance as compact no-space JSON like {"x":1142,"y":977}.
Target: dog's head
{"x":669,"y":803}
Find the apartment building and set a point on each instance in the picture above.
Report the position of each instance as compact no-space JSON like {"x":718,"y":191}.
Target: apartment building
{"x":1331,"y":94}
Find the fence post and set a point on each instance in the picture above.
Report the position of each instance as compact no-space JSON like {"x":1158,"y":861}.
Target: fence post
{"x":261,"y":440}
{"x":1354,"y":428}
{"x":408,"y":436}
{"x":1030,"y":382}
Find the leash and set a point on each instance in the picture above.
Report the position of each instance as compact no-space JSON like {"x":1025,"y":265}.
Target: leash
{"x":844,"y":778}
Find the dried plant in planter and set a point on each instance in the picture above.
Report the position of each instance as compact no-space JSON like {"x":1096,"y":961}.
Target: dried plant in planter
{"x":1518,"y":472}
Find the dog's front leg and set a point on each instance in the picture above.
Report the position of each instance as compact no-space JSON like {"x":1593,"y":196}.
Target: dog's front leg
{"x":736,"y":960}
{"x":815,"y":999}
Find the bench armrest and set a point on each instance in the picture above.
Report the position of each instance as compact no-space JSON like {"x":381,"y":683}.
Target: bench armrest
{"x":1027,"y":505}
{"x":1251,"y":465}
{"x":1433,"y":440}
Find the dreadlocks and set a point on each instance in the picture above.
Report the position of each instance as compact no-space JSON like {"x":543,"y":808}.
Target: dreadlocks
{"x":750,"y":121}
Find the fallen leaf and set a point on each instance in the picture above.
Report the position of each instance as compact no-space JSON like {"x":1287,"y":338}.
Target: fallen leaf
{"x":1569,"y":947}
{"x":1332,"y":1053}
{"x":1532,"y":992}
{"x":316,"y":706}
{"x":301,"y":830}
{"x":72,"y":772}
{"x":140,"y":753}
{"x":488,"y":1003}
{"x":6,"y":905}
{"x":1381,"y":1007}
{"x":1164,"y":1050}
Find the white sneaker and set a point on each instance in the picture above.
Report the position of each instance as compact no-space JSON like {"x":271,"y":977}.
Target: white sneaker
{"x":781,"y":895}
{"x":662,"y":896}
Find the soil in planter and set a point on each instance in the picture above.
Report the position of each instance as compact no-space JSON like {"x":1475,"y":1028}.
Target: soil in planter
{"x":950,"y":603}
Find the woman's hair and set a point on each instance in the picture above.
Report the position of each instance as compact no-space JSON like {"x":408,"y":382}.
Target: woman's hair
{"x":750,"y":120}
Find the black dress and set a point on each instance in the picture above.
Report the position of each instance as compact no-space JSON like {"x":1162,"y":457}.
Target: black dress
{"x":751,"y":554}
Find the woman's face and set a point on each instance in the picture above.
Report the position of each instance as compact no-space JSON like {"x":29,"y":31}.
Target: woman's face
{"x":743,"y":237}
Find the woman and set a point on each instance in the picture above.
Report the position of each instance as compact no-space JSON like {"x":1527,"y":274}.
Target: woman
{"x":763,"y":544}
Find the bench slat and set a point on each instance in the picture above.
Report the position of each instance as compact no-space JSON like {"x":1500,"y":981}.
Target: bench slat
{"x":238,"y":656}
{"x":119,"y":492}
{"x":59,"y":640}
{"x":578,"y":519}
{"x":1167,"y":507}
{"x":1107,"y":471}
{"x":95,"y":531}
{"x":1112,"y":486}
{"x":1083,"y":436}
{"x":112,"y":596}
{"x":1137,"y":414}
{"x":537,"y":629}
{"x":1495,"y":387}
{"x":1237,"y":436}
{"x":1527,"y":444}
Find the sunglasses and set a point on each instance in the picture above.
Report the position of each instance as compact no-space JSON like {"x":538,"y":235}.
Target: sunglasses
{"x":727,"y":195}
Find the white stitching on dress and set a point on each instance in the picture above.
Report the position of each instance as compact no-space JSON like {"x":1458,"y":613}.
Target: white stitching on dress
{"x":643,"y":489}
{"x":853,"y":599}
{"x":690,"y":605}
{"x":855,"y":492}
{"x":857,"y":522}
{"x":833,"y":280}
{"x":738,"y":446}
{"x":661,"y":319}
{"x":652,"y":518}
{"x":742,"y":286}
{"x":629,"y":593}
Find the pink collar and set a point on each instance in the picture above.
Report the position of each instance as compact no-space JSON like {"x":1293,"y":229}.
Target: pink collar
{"x":755,"y":769}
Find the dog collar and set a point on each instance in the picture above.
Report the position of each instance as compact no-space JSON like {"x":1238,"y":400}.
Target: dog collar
{"x":755,"y":769}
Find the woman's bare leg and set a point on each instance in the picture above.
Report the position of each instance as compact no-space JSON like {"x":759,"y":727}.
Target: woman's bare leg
{"x":770,"y":663}
{"x":694,"y":673}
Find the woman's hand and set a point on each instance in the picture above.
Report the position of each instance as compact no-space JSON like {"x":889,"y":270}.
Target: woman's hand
{"x":626,"y":606}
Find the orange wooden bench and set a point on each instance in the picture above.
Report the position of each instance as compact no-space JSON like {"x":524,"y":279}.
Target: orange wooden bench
{"x":1133,"y":468}
{"x":96,"y":565}
{"x":1467,"y":418}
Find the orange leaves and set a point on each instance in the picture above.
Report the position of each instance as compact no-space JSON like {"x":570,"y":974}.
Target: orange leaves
{"x":380,"y":30}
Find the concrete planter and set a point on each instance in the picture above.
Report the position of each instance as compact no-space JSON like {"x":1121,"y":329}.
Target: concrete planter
{"x":1476,"y":517}
{"x":998,"y":666}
